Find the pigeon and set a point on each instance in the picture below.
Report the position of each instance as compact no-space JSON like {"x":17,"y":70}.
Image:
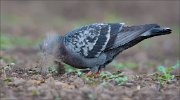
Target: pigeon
{"x":96,"y":45}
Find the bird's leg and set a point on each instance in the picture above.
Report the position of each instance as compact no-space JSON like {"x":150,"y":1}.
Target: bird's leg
{"x":95,"y":71}
{"x":92,"y":71}
{"x":101,"y":69}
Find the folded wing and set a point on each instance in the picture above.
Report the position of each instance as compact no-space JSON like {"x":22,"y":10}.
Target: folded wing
{"x":90,"y":41}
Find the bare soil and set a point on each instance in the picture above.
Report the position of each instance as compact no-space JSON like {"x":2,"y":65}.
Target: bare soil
{"x":22,"y":80}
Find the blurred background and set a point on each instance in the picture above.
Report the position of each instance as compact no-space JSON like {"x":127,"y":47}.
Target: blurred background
{"x":25,"y":23}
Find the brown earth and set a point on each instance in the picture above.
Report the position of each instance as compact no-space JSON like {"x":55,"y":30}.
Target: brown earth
{"x":23,"y":79}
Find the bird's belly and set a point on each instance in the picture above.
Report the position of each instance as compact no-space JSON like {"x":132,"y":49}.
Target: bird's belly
{"x":75,"y":62}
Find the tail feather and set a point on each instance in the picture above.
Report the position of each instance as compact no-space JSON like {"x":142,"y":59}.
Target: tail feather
{"x":157,"y":31}
{"x":135,"y":34}
{"x":161,"y":31}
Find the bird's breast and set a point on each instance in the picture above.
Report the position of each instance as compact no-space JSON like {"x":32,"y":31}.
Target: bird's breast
{"x":74,"y":61}
{"x":71,"y":58}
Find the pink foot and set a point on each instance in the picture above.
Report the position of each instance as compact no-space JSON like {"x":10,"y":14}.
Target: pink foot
{"x":96,"y":74}
{"x":89,"y":74}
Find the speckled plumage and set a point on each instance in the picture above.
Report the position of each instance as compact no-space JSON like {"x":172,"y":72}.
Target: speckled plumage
{"x":94,"y":46}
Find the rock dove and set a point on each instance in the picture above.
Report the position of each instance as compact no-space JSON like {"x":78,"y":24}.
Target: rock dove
{"x":96,"y":45}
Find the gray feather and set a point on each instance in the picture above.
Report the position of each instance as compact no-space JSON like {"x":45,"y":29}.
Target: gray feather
{"x":94,"y":46}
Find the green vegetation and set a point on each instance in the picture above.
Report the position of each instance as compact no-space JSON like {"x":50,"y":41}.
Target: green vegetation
{"x":69,"y":69}
{"x":35,"y":92}
{"x":118,"y":77}
{"x":164,"y":75}
{"x":103,"y":77}
{"x":94,"y":80}
{"x":8,"y":79}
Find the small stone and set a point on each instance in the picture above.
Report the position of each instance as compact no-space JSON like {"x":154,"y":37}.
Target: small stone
{"x":12,"y":64}
{"x":18,"y":81}
{"x":128,"y":84}
{"x":138,"y":87}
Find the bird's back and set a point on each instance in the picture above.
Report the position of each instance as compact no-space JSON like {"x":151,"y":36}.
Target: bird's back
{"x":92,"y":40}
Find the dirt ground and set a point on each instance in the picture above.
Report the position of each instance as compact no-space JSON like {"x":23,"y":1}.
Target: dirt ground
{"x":133,"y":75}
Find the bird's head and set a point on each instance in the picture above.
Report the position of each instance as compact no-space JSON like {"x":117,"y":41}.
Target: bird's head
{"x":50,"y":44}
